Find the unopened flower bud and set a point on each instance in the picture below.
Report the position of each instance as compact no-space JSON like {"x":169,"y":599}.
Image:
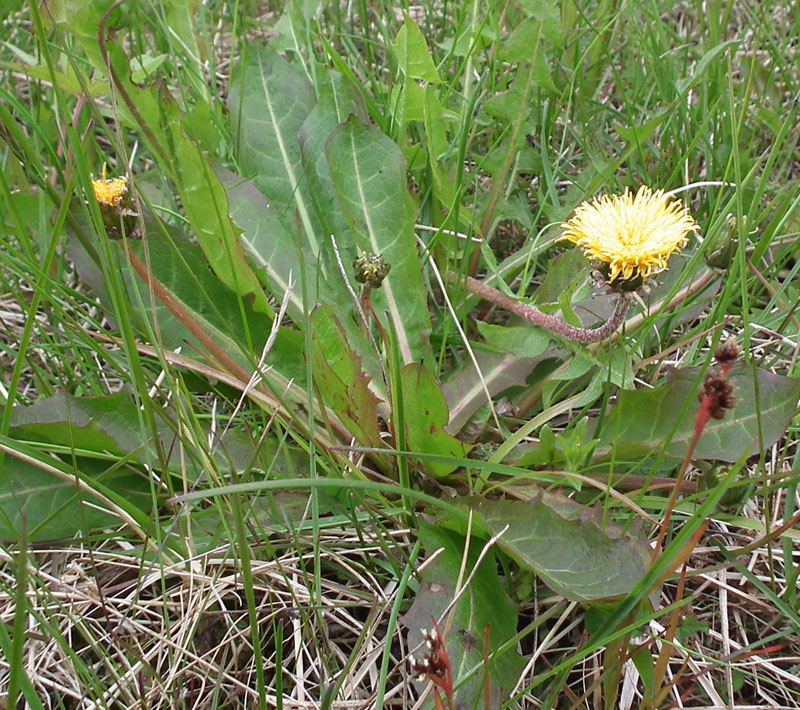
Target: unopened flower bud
{"x":371,"y":269}
{"x":720,"y":252}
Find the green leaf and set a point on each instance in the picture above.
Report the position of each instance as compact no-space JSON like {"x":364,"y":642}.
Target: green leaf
{"x":341,"y":380}
{"x":435,"y":131}
{"x":465,"y":393}
{"x":268,"y":240}
{"x":425,"y":416}
{"x":113,"y":425}
{"x":523,"y":342}
{"x":407,"y":102}
{"x":702,"y":66}
{"x":565,"y":544}
{"x":202,"y":196}
{"x":484,"y":603}
{"x":507,"y":104}
{"x":412,"y":54}
{"x":636,"y":135}
{"x":525,"y":42}
{"x":526,"y":46}
{"x":202,"y":125}
{"x":49,"y":506}
{"x":180,"y":267}
{"x":337,"y":98}
{"x":616,"y":366}
{"x":291,"y":27}
{"x":269,"y":101}
{"x":662,"y":419}
{"x":144,"y":65}
{"x":564,"y":273}
{"x":548,"y":14}
{"x":178,"y":21}
{"x":643,"y":660}
{"x":368,"y":173}
{"x":81,"y":20}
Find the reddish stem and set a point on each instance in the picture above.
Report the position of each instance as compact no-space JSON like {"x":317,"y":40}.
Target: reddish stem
{"x":548,"y":322}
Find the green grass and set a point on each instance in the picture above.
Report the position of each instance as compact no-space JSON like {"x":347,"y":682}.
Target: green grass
{"x":231,"y":475}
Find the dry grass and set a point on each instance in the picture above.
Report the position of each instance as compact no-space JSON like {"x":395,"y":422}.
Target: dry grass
{"x":175,"y":634}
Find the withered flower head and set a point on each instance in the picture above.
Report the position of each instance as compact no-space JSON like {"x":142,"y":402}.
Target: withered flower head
{"x":719,"y":391}
{"x":727,"y":353}
{"x":435,"y":664}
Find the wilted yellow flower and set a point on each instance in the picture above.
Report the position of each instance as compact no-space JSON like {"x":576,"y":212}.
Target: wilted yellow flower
{"x":631,"y":235}
{"x":112,"y":192}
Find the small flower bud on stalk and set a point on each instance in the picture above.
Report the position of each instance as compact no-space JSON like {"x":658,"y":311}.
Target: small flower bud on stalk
{"x":720,"y":252}
{"x":435,"y":665}
{"x":717,"y":394}
{"x":370,"y":270}
{"x":716,"y":398}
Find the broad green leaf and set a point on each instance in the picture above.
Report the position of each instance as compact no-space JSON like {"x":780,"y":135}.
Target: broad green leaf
{"x":564,"y":273}
{"x":407,"y":102}
{"x":435,"y":132}
{"x":114,"y":425}
{"x":368,"y":174}
{"x":564,"y":544}
{"x":202,"y":196}
{"x":267,"y":238}
{"x":526,"y":45}
{"x":541,"y":74}
{"x":202,"y":125}
{"x":82,"y":20}
{"x":437,"y":148}
{"x":269,"y":101}
{"x":484,"y":603}
{"x":180,"y":267}
{"x":337,"y":98}
{"x":28,"y":211}
{"x":52,"y":507}
{"x":425,"y":417}
{"x":465,"y":393}
{"x":412,"y":54}
{"x":662,"y":418}
{"x":615,"y":366}
{"x":143,"y":66}
{"x":548,"y":14}
{"x":507,"y":104}
{"x":522,"y":342}
{"x":526,"y":160}
{"x":701,"y":66}
{"x":341,"y":381}
{"x":292,"y":25}
{"x":66,"y":81}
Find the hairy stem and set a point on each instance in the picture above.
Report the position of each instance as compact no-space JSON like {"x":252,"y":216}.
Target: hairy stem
{"x":548,"y":322}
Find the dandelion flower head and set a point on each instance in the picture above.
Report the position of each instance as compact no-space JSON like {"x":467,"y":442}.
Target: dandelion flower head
{"x":632,"y":236}
{"x":110,"y":192}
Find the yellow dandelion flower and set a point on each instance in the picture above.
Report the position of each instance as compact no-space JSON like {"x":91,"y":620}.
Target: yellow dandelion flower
{"x":110,"y":193}
{"x":632,"y":236}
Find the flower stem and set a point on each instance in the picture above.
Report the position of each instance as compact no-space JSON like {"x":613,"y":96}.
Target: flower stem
{"x":548,"y":322}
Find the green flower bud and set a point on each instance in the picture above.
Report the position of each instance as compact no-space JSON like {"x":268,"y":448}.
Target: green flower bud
{"x":719,"y":254}
{"x":371,"y":269}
